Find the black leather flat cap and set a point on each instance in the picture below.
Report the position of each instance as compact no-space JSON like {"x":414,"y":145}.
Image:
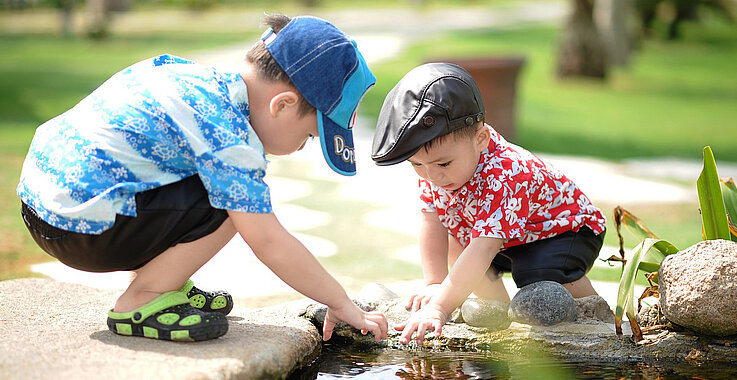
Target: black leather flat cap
{"x":430,"y":101}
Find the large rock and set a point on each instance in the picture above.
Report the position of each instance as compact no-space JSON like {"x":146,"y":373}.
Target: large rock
{"x":698,"y":287}
{"x":51,"y":329}
{"x":542,"y":303}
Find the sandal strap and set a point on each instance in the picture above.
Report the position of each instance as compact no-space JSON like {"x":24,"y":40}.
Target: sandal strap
{"x":160,"y":303}
{"x":187,"y":286}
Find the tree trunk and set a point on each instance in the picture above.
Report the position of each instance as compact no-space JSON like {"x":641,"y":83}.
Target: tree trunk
{"x":98,"y":21}
{"x":66,"y":7}
{"x":613,"y":19}
{"x":582,"y":52}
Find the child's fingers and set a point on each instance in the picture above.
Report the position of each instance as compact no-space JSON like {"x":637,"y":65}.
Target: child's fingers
{"x":380,"y":321}
{"x":421,"y":333}
{"x":410,"y":301}
{"x":372,"y":327}
{"x":409,"y":329}
{"x":417,"y":303}
{"x":438,"y":326}
{"x":425,"y":301}
{"x":327,"y":329}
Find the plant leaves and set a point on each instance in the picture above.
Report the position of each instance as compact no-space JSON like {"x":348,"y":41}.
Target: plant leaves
{"x":713,"y":212}
{"x":625,"y":295}
{"x":625,"y":218}
{"x":729,"y":193}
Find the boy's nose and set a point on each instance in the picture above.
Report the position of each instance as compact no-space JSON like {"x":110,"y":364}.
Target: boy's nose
{"x":433,"y":175}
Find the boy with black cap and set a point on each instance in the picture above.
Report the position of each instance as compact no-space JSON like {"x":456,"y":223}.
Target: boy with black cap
{"x":158,"y":168}
{"x":489,"y":205}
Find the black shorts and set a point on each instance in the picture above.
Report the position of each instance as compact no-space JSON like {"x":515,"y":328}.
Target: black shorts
{"x":563,"y":258}
{"x":176,"y":213}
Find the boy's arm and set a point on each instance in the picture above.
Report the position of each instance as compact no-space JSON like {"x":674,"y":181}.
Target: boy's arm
{"x":466,"y":273}
{"x":433,"y":248}
{"x":295,"y":265}
{"x":434,"y":257}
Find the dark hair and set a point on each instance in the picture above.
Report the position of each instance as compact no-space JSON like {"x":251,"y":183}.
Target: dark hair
{"x":266,"y":65}
{"x":464,"y":132}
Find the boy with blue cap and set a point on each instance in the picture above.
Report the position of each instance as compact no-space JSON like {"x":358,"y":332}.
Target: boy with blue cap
{"x":489,"y":206}
{"x":158,"y":168}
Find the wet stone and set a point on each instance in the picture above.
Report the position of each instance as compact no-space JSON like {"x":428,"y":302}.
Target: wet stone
{"x":489,"y":314}
{"x":543,"y":303}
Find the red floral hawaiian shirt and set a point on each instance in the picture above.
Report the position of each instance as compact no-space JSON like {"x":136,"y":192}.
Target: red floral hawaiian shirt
{"x":514,"y":196}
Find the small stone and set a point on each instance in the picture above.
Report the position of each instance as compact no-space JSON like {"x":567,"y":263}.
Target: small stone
{"x":650,"y":315}
{"x":489,"y":314}
{"x":456,"y":316}
{"x":542,"y":303}
{"x":593,"y":308}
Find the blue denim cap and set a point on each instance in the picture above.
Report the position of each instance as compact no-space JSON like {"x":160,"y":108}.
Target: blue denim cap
{"x":329,"y":71}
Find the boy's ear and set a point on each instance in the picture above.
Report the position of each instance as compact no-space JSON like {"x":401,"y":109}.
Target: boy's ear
{"x":283,"y":101}
{"x":482,"y":138}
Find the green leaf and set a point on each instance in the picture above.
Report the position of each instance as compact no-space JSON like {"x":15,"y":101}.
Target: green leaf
{"x":649,"y":267}
{"x":633,"y":223}
{"x":625,"y":218}
{"x":729,"y":193}
{"x":626,"y":294}
{"x":713,"y":213}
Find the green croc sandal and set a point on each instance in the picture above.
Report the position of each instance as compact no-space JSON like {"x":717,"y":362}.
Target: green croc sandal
{"x":219,"y":302}
{"x":169,"y":317}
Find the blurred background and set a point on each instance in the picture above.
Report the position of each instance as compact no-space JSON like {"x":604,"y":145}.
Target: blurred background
{"x":614,"y":90}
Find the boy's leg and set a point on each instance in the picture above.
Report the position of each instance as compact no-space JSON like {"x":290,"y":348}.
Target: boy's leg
{"x":565,"y":259}
{"x":580,"y":288}
{"x":171,"y":269}
{"x":491,"y":285}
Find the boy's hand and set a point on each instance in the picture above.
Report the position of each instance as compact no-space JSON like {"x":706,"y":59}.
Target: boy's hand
{"x":372,"y":321}
{"x":429,"y":318}
{"x":420,"y":299}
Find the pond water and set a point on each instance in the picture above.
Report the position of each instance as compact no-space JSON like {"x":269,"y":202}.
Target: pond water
{"x":340,"y":362}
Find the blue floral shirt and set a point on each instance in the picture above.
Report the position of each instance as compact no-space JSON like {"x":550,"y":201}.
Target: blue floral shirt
{"x":154,"y":123}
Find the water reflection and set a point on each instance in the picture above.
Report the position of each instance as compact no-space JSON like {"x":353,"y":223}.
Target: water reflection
{"x":340,"y":362}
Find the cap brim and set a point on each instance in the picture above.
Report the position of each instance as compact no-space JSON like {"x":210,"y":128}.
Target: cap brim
{"x":396,"y":160}
{"x":337,"y":145}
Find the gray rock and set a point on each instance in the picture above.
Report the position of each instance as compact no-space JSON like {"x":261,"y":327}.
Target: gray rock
{"x":374,"y":293}
{"x":489,"y":314}
{"x":315,"y":313}
{"x":542,"y":303}
{"x":650,"y":315}
{"x":593,"y":308}
{"x":52,"y":329}
{"x":698,"y":287}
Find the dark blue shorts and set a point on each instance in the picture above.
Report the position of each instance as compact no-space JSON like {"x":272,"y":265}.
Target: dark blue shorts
{"x":562,"y":258}
{"x":176,"y":213}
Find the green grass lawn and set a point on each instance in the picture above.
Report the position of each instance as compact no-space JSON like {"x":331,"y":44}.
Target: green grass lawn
{"x":675,"y":98}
